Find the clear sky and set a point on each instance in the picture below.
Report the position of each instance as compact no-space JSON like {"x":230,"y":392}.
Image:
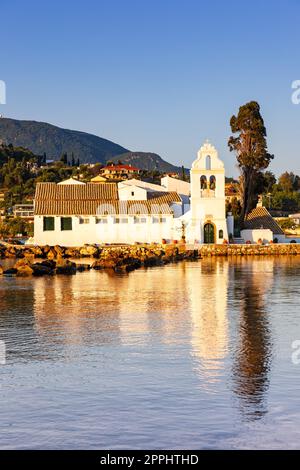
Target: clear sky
{"x":155,"y":75}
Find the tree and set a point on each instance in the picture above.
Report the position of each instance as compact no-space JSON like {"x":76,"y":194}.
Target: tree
{"x":269,"y":181}
{"x":250,"y":146}
{"x":288,"y":182}
{"x":64,"y":158}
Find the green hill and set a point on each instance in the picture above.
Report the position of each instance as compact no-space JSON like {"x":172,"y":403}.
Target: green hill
{"x":41,"y":137}
{"x":146,"y":161}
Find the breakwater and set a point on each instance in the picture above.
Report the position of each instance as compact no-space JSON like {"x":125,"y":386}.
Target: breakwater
{"x":47,"y":260}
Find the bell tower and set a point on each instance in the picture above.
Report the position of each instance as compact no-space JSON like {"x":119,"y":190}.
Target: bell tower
{"x":208,"y":197}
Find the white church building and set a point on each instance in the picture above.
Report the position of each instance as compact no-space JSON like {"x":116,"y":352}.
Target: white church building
{"x":73,"y":213}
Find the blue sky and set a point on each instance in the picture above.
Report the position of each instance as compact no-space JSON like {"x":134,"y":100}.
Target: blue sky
{"x":155,"y":75}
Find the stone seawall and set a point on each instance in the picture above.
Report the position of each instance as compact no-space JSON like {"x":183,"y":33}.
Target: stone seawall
{"x":46,"y":260}
{"x":249,"y":250}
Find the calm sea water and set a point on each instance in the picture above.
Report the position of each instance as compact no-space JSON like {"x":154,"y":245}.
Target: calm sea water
{"x":193,"y":355}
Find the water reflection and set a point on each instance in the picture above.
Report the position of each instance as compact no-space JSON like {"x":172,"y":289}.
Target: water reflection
{"x":252,"y":357}
{"x":167,"y":305}
{"x":208,"y":290}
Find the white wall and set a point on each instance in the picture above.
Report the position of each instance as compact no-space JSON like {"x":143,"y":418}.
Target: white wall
{"x":106,"y":233}
{"x":177,"y":185}
{"x":132,"y":193}
{"x":253,"y":236}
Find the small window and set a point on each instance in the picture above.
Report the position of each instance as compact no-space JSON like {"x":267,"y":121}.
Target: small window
{"x":66,"y":223}
{"x":83,"y":220}
{"x":132,"y":193}
{"x":116,"y":220}
{"x":101,"y":220}
{"x":140,"y":220}
{"x":48,"y":224}
{"x":208,"y":163}
{"x":124,"y":221}
{"x":221,"y":234}
{"x":155,"y":220}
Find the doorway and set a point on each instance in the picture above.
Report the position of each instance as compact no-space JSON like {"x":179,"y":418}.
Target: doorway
{"x":209,"y":233}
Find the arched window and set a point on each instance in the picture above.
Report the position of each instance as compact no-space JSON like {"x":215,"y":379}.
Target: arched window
{"x":221,"y":234}
{"x":208,"y":162}
{"x":212,"y":182}
{"x":203,"y":182}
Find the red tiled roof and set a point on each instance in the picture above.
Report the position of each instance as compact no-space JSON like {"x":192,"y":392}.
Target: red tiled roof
{"x":120,"y":167}
{"x":93,"y":199}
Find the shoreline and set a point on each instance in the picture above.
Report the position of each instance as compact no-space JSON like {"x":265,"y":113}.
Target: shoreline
{"x":47,"y":260}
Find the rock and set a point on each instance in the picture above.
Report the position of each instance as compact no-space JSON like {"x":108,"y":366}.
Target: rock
{"x":65,"y":267}
{"x":22,"y":262}
{"x":91,"y":251}
{"x":40,"y":269}
{"x":10,"y":272}
{"x":83,"y":267}
{"x":37,"y":251}
{"x":25,"y":270}
{"x":104,"y":264}
{"x":51,"y":254}
{"x":48,"y":263}
{"x":58,"y":250}
{"x":29,"y":256}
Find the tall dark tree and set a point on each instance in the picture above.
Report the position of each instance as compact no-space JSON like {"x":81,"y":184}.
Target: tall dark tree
{"x":250,"y":146}
{"x":64,"y":158}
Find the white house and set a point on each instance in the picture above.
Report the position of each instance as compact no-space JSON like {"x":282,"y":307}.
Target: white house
{"x":73,"y":213}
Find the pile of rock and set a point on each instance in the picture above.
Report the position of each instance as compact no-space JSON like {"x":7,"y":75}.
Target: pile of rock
{"x":25,"y":267}
{"x":120,"y":259}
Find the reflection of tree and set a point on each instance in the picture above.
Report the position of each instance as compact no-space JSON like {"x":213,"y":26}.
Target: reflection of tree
{"x":253,"y":356}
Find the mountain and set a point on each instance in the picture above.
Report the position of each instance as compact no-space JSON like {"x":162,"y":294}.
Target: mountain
{"x":41,"y":137}
{"x":146,"y":161}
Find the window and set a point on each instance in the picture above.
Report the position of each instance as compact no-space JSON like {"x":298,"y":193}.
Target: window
{"x":83,"y":220}
{"x":132,"y":193}
{"x":48,"y":224}
{"x":116,"y":220}
{"x":101,"y":220}
{"x":159,"y":220}
{"x":140,"y":220}
{"x":208,"y":162}
{"x":66,"y":223}
{"x":124,"y":221}
{"x":221,"y":234}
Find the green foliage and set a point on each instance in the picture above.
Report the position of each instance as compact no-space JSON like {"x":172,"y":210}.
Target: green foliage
{"x":250,"y":146}
{"x":10,"y":227}
{"x":286,"y":223}
{"x":20,"y":170}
